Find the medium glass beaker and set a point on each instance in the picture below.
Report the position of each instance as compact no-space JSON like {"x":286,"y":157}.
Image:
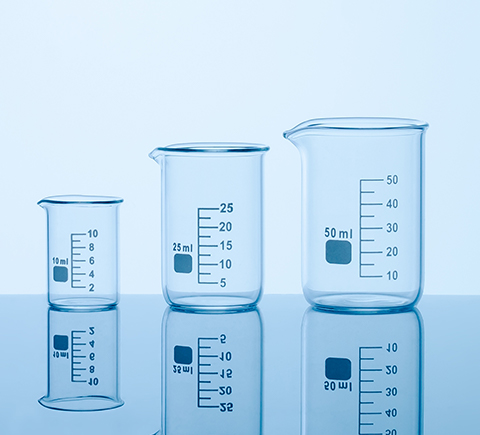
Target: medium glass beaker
{"x":211,"y":224}
{"x":362,"y":224}
{"x":82,"y":252}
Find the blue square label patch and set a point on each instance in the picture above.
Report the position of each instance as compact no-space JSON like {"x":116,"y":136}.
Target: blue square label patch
{"x":60,"y":274}
{"x":182,"y":263}
{"x":338,"y":369}
{"x":183,"y":355}
{"x":60,"y":342}
{"x":338,"y":251}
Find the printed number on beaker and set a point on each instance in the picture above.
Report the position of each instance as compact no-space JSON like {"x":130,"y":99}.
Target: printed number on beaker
{"x":91,"y":247}
{"x":91,"y":369}
{"x":226,"y":208}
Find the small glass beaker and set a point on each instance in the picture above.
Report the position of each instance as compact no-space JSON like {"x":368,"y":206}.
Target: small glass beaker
{"x":362,"y":224}
{"x":82,"y":360}
{"x":212,"y":372}
{"x":362,"y":373}
{"x":211,"y":224}
{"x":82,"y":250}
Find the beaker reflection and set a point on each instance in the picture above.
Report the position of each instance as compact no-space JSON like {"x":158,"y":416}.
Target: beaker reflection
{"x":212,"y":373}
{"x":361,"y":373}
{"x":82,"y":360}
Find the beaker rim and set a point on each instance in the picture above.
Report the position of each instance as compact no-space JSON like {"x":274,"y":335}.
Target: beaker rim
{"x":81,"y":199}
{"x":210,"y":147}
{"x":358,"y":123}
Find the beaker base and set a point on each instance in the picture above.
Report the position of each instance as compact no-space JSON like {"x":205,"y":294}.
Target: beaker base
{"x":367,"y":303}
{"x":79,"y":303}
{"x":212,"y":303}
{"x":81,"y":404}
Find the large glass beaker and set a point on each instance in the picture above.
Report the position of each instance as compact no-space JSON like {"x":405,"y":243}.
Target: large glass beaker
{"x":362,"y":225}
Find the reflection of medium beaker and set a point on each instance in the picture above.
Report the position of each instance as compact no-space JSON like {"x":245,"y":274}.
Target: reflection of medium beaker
{"x":82,"y":360}
{"x":362,"y":229}
{"x":211,"y":224}
{"x":82,"y":250}
{"x":212,"y":371}
{"x":361,"y":374}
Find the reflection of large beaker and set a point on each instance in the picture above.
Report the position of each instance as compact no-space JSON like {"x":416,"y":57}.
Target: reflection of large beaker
{"x":361,"y":374}
{"x":82,"y":360}
{"x":362,"y":207}
{"x":212,"y":371}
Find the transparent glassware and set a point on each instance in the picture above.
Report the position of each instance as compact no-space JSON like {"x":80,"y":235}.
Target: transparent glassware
{"x":362,"y":373}
{"x":362,"y":211}
{"x":212,"y":372}
{"x":211,"y":224}
{"x":82,"y":360}
{"x":82,"y":250}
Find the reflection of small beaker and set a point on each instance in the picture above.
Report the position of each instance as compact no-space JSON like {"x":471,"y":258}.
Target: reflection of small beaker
{"x":361,"y":374}
{"x":212,"y":370}
{"x":82,"y":250}
{"x":82,"y":360}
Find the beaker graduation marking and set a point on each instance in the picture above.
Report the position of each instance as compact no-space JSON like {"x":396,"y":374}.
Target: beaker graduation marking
{"x":83,"y":259}
{"x":83,"y":357}
{"x":367,"y":229}
{"x":378,"y":203}
{"x":371,"y":410}
{"x":211,"y":244}
{"x":211,"y":371}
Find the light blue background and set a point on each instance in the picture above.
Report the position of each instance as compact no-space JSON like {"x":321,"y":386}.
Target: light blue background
{"x":88,"y":88}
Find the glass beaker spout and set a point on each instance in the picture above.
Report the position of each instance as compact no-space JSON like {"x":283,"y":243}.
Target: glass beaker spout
{"x":294,"y":134}
{"x":306,"y":133}
{"x":157,"y":155}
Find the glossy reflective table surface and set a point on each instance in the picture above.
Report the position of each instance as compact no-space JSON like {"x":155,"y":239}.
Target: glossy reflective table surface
{"x":273,"y":370}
